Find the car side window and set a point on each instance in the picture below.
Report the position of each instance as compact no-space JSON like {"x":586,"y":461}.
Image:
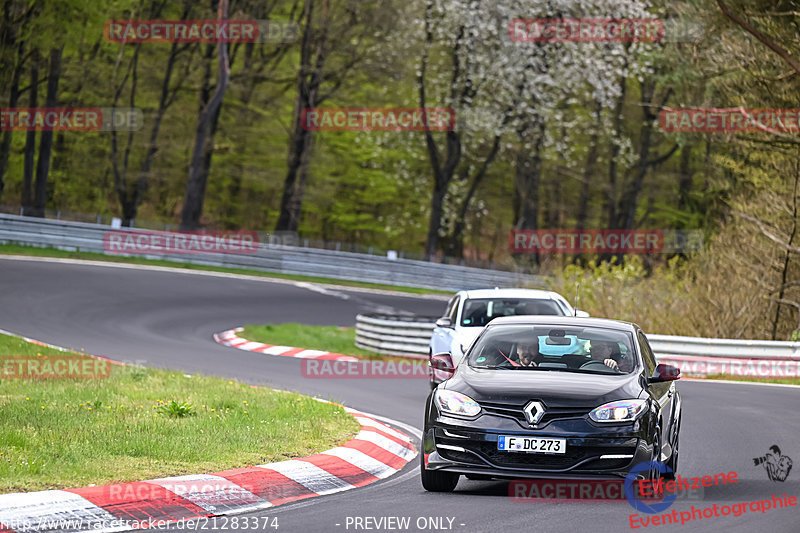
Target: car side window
{"x":453,"y":311}
{"x":647,"y":354}
{"x":449,"y":309}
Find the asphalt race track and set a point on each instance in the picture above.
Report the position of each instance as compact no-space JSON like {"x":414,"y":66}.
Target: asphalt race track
{"x":166,"y":319}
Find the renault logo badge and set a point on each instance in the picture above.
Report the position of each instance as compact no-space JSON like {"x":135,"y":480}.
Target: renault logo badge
{"x":534,"y":412}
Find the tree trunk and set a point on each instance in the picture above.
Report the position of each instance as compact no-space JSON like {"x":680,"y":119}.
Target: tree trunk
{"x":630,"y":200}
{"x":787,"y":256}
{"x":313,"y":54}
{"x":554,"y":204}
{"x":611,"y":194}
{"x":29,"y":152}
{"x":152,"y":147}
{"x":443,"y":171}
{"x":528,"y":177}
{"x":46,"y":139}
{"x":685,"y":183}
{"x":13,"y":98}
{"x":299,"y":155}
{"x":456,"y":242}
{"x":198,"y":171}
{"x":234,"y":205}
{"x":435,"y":219}
{"x":121,"y":174}
{"x":589,"y":171}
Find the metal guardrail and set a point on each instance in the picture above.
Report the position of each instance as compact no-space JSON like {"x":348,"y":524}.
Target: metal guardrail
{"x":694,"y":355}
{"x":279,"y":258}
{"x":394,"y":335}
{"x":673,"y":345}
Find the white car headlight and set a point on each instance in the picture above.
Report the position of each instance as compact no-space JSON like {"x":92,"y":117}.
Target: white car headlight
{"x":619,"y":411}
{"x":455,"y":403}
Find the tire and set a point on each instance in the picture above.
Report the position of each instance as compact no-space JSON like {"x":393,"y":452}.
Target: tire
{"x":654,"y":474}
{"x":436,"y":481}
{"x":673,"y":460}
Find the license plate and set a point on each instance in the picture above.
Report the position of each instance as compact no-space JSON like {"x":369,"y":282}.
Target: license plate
{"x":509,"y":443}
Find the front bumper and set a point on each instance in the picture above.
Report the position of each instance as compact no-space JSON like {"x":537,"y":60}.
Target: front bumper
{"x":474,"y":451}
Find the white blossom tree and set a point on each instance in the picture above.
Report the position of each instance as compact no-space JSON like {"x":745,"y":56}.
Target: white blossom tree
{"x":519,"y":91}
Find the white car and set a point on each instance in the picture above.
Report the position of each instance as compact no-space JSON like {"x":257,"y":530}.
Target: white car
{"x":469,"y":311}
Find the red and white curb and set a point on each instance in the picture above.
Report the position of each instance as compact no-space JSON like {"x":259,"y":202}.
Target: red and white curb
{"x":230,"y":338}
{"x":376,"y":452}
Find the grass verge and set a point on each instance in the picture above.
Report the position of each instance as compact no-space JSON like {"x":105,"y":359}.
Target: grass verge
{"x":16,"y":249}
{"x":66,"y":433}
{"x":328,"y":338}
{"x":782,"y":381}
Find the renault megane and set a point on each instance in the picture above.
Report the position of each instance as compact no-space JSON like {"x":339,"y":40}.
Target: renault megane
{"x":551,"y":397}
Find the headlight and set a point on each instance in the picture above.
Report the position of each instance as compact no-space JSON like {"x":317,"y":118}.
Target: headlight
{"x":455,"y":403}
{"x":621,"y":411}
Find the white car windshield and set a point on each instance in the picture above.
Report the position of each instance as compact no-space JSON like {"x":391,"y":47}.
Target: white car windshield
{"x":480,"y":311}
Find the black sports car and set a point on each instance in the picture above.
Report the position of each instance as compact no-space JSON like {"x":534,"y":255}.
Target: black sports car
{"x":551,"y":397}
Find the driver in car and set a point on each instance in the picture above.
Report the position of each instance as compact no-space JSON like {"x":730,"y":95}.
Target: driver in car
{"x":606,"y":352}
{"x":528,"y":353}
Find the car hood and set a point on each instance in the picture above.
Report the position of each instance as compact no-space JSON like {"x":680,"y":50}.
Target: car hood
{"x":556,"y":389}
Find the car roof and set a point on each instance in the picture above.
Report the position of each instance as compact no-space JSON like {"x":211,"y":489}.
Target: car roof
{"x":564,"y":320}
{"x":512,"y":293}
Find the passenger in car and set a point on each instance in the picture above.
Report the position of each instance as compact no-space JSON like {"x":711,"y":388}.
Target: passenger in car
{"x":608,"y":352}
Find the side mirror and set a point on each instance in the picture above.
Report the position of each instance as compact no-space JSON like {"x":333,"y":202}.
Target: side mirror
{"x":443,"y":362}
{"x":444,"y":322}
{"x":581,"y":314}
{"x":665,"y":372}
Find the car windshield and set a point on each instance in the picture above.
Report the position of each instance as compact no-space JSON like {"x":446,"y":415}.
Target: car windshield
{"x":480,"y":311}
{"x":555,"y":348}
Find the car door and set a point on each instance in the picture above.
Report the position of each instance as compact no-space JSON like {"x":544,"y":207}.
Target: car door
{"x":442,"y":338}
{"x":660,"y":392}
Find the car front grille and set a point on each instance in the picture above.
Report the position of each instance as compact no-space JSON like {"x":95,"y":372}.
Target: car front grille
{"x":517,"y":413}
